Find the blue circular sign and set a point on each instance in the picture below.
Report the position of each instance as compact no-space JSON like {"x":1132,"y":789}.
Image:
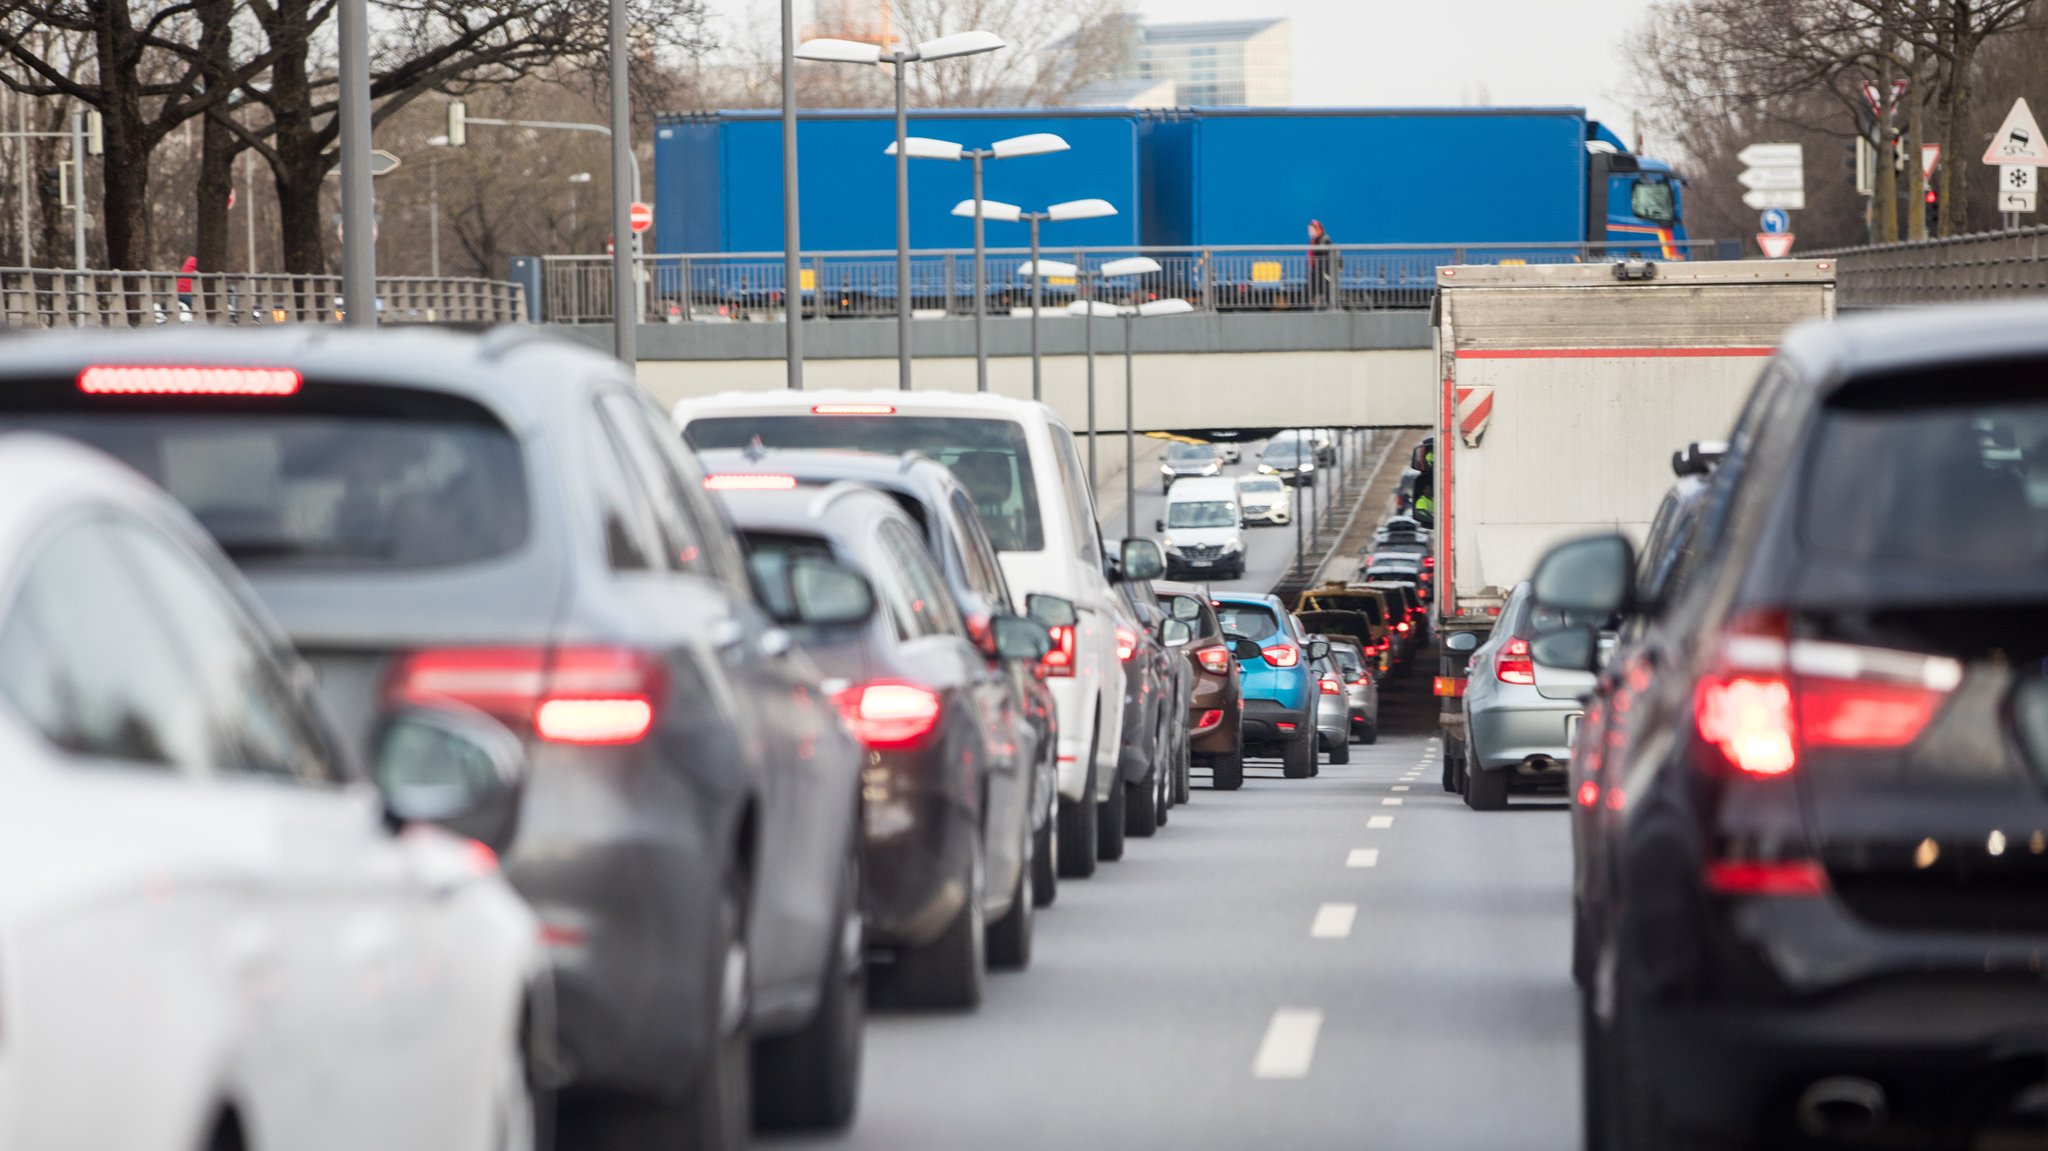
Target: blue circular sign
{"x":1776,"y":222}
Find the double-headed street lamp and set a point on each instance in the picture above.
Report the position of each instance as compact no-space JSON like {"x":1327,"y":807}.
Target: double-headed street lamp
{"x":855,"y":52}
{"x":1034,"y":144}
{"x":1087,"y":307}
{"x":1011,"y":213}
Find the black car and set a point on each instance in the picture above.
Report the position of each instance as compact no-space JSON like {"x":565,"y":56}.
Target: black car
{"x":1824,"y":896}
{"x":1157,"y":684}
{"x":508,"y":523}
{"x":937,"y":720}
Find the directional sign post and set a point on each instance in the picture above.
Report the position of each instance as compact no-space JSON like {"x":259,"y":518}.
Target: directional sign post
{"x":1775,"y":176}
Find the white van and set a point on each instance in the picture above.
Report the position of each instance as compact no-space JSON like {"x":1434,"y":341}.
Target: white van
{"x":1203,"y":530}
{"x":1017,"y":459}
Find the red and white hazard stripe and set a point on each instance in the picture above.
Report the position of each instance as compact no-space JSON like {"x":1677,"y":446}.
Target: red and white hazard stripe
{"x":1475,"y":408}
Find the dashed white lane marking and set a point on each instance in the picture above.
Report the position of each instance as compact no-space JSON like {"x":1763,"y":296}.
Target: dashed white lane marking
{"x":1333,"y":921}
{"x":1400,"y":787}
{"x":1362,"y":857}
{"x":1379,"y":822}
{"x":1290,"y":1044}
{"x":1394,"y":801}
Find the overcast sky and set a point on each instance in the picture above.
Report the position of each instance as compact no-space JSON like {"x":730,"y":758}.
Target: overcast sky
{"x":1384,"y":52}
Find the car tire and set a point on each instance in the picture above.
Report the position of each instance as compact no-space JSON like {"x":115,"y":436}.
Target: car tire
{"x":1340,"y":751}
{"x":1450,"y":765}
{"x":1079,"y":827}
{"x":810,"y":1080}
{"x":1227,"y":770}
{"x":951,"y":972}
{"x":1009,"y":938}
{"x":1109,"y":823}
{"x":1485,"y":790}
{"x":1045,"y":862}
{"x":1298,"y":755}
{"x":1184,"y":764}
{"x":1371,"y":734}
{"x":1141,"y":806}
{"x":717,"y":1114}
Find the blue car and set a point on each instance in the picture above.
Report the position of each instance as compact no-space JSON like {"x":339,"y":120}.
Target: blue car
{"x":1279,"y":687}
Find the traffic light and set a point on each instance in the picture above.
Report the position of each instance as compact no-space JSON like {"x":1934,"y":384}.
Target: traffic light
{"x":53,"y":183}
{"x":458,"y":123}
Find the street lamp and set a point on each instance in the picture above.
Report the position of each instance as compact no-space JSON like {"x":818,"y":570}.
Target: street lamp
{"x":1130,"y":316}
{"x":1087,"y":307}
{"x":575,"y":179}
{"x":1011,"y":213}
{"x":1033,"y":144}
{"x":855,"y":52}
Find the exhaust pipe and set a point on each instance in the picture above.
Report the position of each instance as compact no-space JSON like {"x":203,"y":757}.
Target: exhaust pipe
{"x":1841,"y":1107}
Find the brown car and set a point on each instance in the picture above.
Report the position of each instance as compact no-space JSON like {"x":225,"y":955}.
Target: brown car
{"x":1215,"y":708}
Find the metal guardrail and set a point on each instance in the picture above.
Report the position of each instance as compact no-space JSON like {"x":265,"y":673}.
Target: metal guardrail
{"x":1949,"y":270}
{"x":750,"y":285}
{"x":57,"y":298}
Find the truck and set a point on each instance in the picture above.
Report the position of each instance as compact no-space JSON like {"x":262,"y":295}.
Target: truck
{"x":1566,"y":389}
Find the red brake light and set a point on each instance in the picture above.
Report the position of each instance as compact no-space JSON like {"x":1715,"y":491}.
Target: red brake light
{"x":889,"y":715}
{"x":1282,"y":655}
{"x":1210,"y":718}
{"x":1589,"y":793}
{"x":853,"y":409}
{"x":1059,"y":658}
{"x":590,"y":695}
{"x":593,"y":720}
{"x":1429,"y":561}
{"x":1402,"y":627}
{"x":127,"y":380}
{"x":1126,"y":644}
{"x":1514,"y":664}
{"x":743,"y":482}
{"x":1782,"y":877}
{"x":1450,"y":686}
{"x":1750,"y":719}
{"x":1330,"y":687}
{"x":1215,"y":660}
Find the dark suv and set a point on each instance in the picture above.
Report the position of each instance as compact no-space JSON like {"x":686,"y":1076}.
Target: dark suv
{"x":1822,"y":897}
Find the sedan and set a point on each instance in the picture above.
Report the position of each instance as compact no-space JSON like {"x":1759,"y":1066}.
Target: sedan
{"x":1265,"y":500}
{"x":1519,"y":717}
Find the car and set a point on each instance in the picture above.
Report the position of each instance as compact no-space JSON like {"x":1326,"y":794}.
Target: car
{"x":1416,"y":551}
{"x":1365,"y":617}
{"x":1202,"y":532}
{"x":1519,"y":717}
{"x":1265,"y":500}
{"x":217,"y":931}
{"x":1232,"y":452}
{"x":1333,"y":708}
{"x":1822,"y":891}
{"x":1018,"y":461}
{"x":1156,"y":687}
{"x":1325,"y":443}
{"x":1215,"y":730}
{"x":1407,"y":572}
{"x":1410,"y":618}
{"x":506,"y":523}
{"x":953,"y":532}
{"x":1185,"y":460}
{"x":1278,"y":690}
{"x":1289,"y":462}
{"x":945,"y":862}
{"x":1361,"y":686}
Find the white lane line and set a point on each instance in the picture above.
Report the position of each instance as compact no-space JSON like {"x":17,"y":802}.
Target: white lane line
{"x":1290,"y":1044}
{"x":1333,"y":921}
{"x":1363,"y":857}
{"x":1400,"y":787}
{"x":1394,"y":801}
{"x":1379,"y":822}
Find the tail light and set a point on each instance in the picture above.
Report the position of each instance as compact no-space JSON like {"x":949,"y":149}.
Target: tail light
{"x":1126,"y":644}
{"x":1428,"y":562}
{"x":589,"y":695}
{"x":1402,"y":627}
{"x":1216,"y":660}
{"x":1514,"y":664}
{"x":853,"y":409}
{"x":1282,"y":655}
{"x":1776,"y":877}
{"x":1330,"y":687}
{"x":887,"y":716}
{"x":187,"y":380}
{"x":1450,"y":686}
{"x":1362,"y":677}
{"x":1770,"y":697}
{"x":1059,"y":657}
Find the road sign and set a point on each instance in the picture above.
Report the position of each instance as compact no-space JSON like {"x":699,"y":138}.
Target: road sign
{"x":1793,"y":199}
{"x":2018,"y":140}
{"x":2016,"y":201}
{"x":1773,"y":179}
{"x":1775,"y":245}
{"x":382,"y":163}
{"x":1775,"y":221}
{"x":1870,"y":95}
{"x":1772,"y":156}
{"x":2018,"y":178}
{"x":1930,"y":156}
{"x":639,"y":217}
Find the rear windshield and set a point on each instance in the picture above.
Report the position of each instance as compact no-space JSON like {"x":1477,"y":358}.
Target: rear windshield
{"x":331,"y":478}
{"x":1960,"y":489}
{"x":1247,"y":619}
{"x":1347,"y":659}
{"x":989,"y":456}
{"x":1201,"y":514}
{"x":1365,"y":605}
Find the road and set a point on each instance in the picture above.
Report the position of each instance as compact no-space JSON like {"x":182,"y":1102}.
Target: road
{"x":1325,"y":963}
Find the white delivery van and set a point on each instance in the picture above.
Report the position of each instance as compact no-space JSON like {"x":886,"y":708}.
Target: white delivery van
{"x":1202,"y":532}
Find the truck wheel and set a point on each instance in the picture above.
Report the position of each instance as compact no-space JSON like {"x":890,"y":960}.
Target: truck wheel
{"x":1486,"y":790}
{"x":1109,"y":823}
{"x":1298,"y":755}
{"x":1340,"y":751}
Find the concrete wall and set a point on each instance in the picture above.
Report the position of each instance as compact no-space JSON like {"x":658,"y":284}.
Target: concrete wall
{"x":1191,"y":372}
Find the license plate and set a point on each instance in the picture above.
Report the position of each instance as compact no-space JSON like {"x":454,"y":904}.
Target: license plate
{"x":1201,"y":563}
{"x":1571,"y":726}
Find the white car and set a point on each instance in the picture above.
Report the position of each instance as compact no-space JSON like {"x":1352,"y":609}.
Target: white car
{"x":1203,"y":530}
{"x":1018,"y":461}
{"x":1265,"y":500}
{"x":211,"y":936}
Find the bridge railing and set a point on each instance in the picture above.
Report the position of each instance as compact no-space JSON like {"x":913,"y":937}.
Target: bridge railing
{"x":751,"y":285}
{"x":1948,"y":270}
{"x":58,"y":298}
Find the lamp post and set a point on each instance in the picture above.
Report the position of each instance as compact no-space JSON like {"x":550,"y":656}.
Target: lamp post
{"x":855,"y":52}
{"x":1011,"y":213}
{"x":358,"y":232}
{"x":1131,"y":315}
{"x":1087,"y":308}
{"x":575,"y":180}
{"x":1034,"y":144}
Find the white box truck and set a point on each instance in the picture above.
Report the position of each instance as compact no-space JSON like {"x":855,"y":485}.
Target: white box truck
{"x":1566,"y":389}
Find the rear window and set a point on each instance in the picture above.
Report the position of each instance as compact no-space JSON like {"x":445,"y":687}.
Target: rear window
{"x":1247,"y":619}
{"x":1959,"y":489}
{"x":1346,"y":658}
{"x":331,"y":478}
{"x":990,"y":457}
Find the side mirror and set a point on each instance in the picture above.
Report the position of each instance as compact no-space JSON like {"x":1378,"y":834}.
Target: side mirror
{"x":1175,"y":633}
{"x":1569,"y":649}
{"x":1318,"y":649}
{"x":812,"y":590}
{"x":1244,"y":648}
{"x":1158,"y":525}
{"x":455,"y":767}
{"x":1186,"y":608}
{"x":1462,"y":642}
{"x":1051,"y":610}
{"x":1594,"y":575}
{"x":1020,"y":639}
{"x":1143,"y":560}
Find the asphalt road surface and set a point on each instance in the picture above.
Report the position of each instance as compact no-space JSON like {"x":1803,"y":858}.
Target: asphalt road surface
{"x":1350,"y":961}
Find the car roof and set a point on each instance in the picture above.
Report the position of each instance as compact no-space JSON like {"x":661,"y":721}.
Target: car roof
{"x":1263,"y":599}
{"x":906,"y":471}
{"x":840,"y":510}
{"x":1829,"y":352}
{"x":924,"y":403}
{"x":1195,"y":487}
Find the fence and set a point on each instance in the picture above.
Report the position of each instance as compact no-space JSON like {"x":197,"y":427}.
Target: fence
{"x":1950,"y":270}
{"x":41,"y":298}
{"x":750,"y":285}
